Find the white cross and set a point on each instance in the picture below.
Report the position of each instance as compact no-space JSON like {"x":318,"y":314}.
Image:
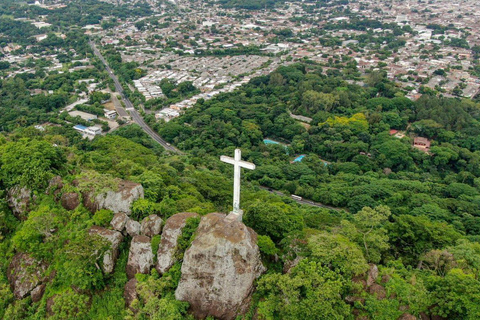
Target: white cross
{"x":237,"y":165}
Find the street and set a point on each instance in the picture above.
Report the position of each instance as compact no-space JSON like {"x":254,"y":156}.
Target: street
{"x":136,"y":117}
{"x":301,"y":201}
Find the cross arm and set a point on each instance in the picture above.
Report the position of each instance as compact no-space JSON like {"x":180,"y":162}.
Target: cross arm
{"x":241,"y":163}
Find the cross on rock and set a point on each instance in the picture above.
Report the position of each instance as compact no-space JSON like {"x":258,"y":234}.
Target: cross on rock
{"x":237,"y":162}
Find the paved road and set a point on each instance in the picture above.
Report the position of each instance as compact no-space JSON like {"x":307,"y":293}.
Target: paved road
{"x":118,"y":106}
{"x":129,"y":106}
{"x":302,"y":201}
{"x":73,"y":105}
{"x":139,"y":120}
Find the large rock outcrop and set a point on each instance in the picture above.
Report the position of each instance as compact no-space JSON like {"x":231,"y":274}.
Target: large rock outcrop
{"x":170,"y":235}
{"x":151,"y":225}
{"x":24,"y":274}
{"x":133,"y":228}
{"x":119,"y":200}
{"x":70,"y":200}
{"x":114,"y":238}
{"x":219,"y":268}
{"x":119,"y":221}
{"x":140,"y":257}
{"x":19,"y":200}
{"x":130,"y":292}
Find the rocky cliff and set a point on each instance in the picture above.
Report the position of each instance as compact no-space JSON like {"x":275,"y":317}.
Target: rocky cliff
{"x":24,"y":274}
{"x":114,"y":238}
{"x":119,"y":200}
{"x":219,"y":268}
{"x":20,"y":200}
{"x":170,"y":235}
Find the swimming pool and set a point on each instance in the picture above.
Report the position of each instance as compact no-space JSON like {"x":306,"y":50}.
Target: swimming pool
{"x":268,"y":141}
{"x":299,"y":158}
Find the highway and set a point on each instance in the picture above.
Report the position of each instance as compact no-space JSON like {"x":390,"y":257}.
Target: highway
{"x":301,"y":201}
{"x":139,"y":120}
{"x":136,"y":117}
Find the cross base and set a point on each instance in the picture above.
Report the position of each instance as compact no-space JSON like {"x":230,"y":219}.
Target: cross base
{"x":235,"y":216}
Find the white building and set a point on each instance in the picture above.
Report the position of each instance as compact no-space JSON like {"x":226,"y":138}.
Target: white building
{"x":110,"y":114}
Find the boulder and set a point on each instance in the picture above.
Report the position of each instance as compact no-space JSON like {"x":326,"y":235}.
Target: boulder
{"x":70,"y":200}
{"x":19,"y":200}
{"x":378,"y":291}
{"x":55,"y":186}
{"x":24,"y":274}
{"x":49,"y":305}
{"x":119,"y":221}
{"x":119,"y":200}
{"x":407,"y":316}
{"x":219,"y":268}
{"x":151,"y":225}
{"x":130,"y":292}
{"x":114,"y":238}
{"x":140,"y":257}
{"x":372,"y":275}
{"x":38,"y":292}
{"x":133,"y":227}
{"x":168,"y":244}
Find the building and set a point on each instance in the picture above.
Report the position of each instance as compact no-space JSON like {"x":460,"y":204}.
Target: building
{"x":93,"y":131}
{"x":80,"y":128}
{"x":421,"y":143}
{"x":89,"y":131}
{"x":110,"y":114}
{"x":167,"y":114}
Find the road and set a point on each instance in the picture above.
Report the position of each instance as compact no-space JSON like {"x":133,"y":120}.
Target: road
{"x":136,"y":117}
{"x":302,"y":201}
{"x":73,"y":105}
{"x":139,"y":120}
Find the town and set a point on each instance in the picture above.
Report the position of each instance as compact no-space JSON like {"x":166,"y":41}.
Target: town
{"x":421,"y":46}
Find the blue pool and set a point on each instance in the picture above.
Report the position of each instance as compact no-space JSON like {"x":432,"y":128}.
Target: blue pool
{"x":268,"y":141}
{"x":299,"y":158}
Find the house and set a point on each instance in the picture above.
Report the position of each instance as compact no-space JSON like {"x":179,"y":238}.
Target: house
{"x":110,"y":114}
{"x":80,"y":128}
{"x":421,"y":143}
{"x":397,"y":134}
{"x":40,"y":37}
{"x":93,"y":131}
{"x":167,"y":114}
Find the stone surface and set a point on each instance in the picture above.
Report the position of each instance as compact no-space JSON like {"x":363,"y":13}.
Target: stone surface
{"x":55,"y":186}
{"x":49,"y":306}
{"x":38,"y":292}
{"x":151,"y":225}
{"x":140,"y":257}
{"x":378,"y":291}
{"x":70,"y":200}
{"x":118,"y":201}
{"x":133,"y":227}
{"x":372,"y":275}
{"x":130,"y":292}
{"x":219,"y":268}
{"x":115,"y":238}
{"x":119,"y":221}
{"x":290,"y":264}
{"x":19,"y":200}
{"x":407,"y":316}
{"x":168,"y":244}
{"x":24,"y":274}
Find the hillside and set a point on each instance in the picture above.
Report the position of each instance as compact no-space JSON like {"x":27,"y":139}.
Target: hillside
{"x":80,"y":238}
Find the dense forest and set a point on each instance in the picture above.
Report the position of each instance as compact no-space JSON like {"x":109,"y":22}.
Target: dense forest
{"x":410,"y":214}
{"x":395,"y":233}
{"x":351,"y":160}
